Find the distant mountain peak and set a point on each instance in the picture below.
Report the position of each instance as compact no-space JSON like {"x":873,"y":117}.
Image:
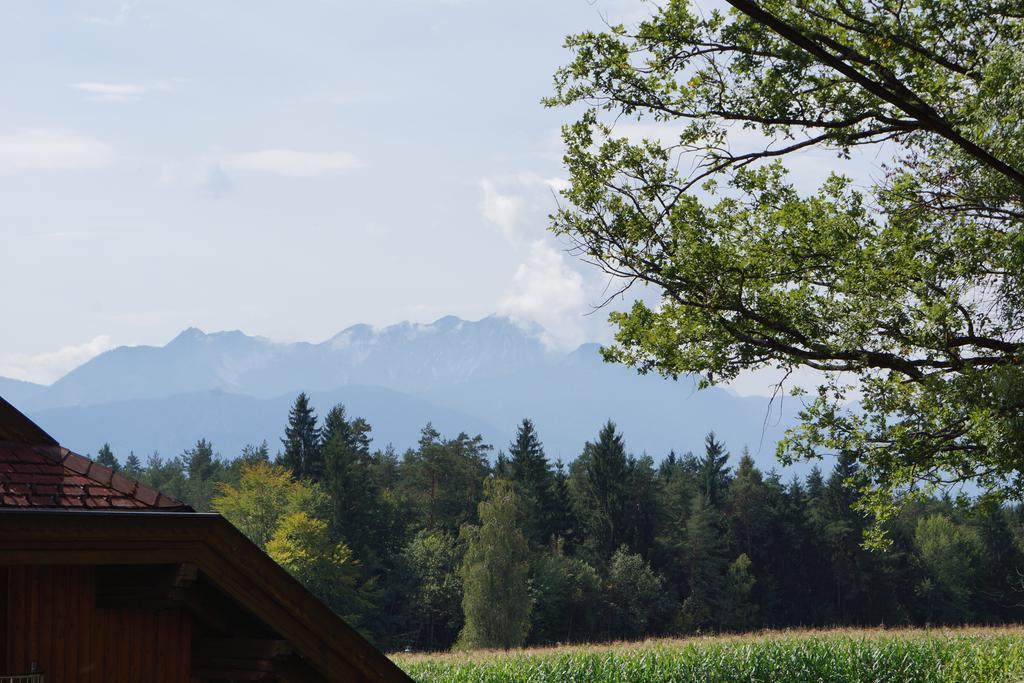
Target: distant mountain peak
{"x":448,"y":322}
{"x":405,"y":356}
{"x":189,"y":334}
{"x":446,"y":325}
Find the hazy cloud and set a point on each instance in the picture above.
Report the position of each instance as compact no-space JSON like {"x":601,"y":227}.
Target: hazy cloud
{"x":70,"y":235}
{"x":45,"y":368}
{"x":117,"y":19}
{"x":519,"y":204}
{"x":546,"y":290}
{"x":120,"y":92}
{"x":52,"y":150}
{"x":214,"y":183}
{"x":502,"y":209}
{"x":290,"y":162}
{"x":207,"y":177}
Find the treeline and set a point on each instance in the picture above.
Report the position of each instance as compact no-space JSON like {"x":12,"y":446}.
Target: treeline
{"x":446,"y":542}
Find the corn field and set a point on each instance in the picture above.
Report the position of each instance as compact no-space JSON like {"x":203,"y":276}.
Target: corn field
{"x":946,"y":656}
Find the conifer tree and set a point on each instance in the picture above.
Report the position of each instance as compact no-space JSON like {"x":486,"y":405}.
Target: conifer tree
{"x":495,"y":573}
{"x":132,"y":466}
{"x":707,"y":563}
{"x":105,"y":457}
{"x":201,"y":466}
{"x":302,"y":454}
{"x":534,"y":480}
{"x":641,"y":505}
{"x":199,"y":461}
{"x":839,"y":528}
{"x":599,"y":491}
{"x":746,"y":503}
{"x":713,"y":472}
{"x":348,"y":478}
{"x":443,"y":479}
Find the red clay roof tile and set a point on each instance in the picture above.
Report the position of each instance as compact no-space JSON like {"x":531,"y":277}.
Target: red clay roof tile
{"x":121,"y":483}
{"x":98,"y":472}
{"x":76,"y":463}
{"x":46,"y":477}
{"x":36,"y":472}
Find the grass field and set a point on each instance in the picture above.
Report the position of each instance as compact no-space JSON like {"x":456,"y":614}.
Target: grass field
{"x":981,"y":655}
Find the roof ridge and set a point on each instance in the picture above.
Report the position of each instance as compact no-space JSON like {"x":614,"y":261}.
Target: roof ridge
{"x":55,"y":477}
{"x":117,"y":481}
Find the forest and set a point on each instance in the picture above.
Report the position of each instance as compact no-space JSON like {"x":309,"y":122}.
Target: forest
{"x":453,"y":544}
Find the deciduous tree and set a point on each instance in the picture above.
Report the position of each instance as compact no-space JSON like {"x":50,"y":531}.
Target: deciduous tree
{"x":908,"y":287}
{"x":495,"y":573}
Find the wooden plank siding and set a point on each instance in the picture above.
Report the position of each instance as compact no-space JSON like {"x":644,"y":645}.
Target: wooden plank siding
{"x":50,"y":618}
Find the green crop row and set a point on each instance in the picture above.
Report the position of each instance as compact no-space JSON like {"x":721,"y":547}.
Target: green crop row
{"x":940,"y":657}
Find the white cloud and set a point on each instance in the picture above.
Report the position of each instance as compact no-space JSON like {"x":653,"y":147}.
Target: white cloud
{"x":292,"y":163}
{"x":120,"y":92}
{"x":207,"y":177}
{"x":45,"y":368}
{"x":213,"y":182}
{"x":519,"y":204}
{"x":52,"y":150}
{"x":342,"y":99}
{"x":70,"y":235}
{"x":117,"y":19}
{"x":546,"y":290}
{"x":501,"y":209}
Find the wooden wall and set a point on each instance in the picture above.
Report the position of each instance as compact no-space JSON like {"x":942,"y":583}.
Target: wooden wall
{"x":52,"y":619}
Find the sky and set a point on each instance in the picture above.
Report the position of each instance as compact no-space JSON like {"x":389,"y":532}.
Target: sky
{"x":283,"y":168}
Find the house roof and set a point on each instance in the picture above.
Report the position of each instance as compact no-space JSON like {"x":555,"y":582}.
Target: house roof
{"x":57,"y":507}
{"x":35,"y":472}
{"x":54,"y":477}
{"x":16,"y":428}
{"x":219,"y":551}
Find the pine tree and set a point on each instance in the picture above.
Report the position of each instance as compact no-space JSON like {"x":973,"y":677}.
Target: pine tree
{"x":253,"y":454}
{"x":348,"y":477}
{"x":677,"y":486}
{"x":105,"y":457}
{"x":495,"y":573}
{"x":502,"y":466}
{"x":199,"y":461}
{"x":443,"y":479}
{"x":302,"y":454}
{"x":839,"y":529}
{"x":598,"y":486}
{"x":707,"y":563}
{"x":563,"y":523}
{"x":747,"y":505}
{"x":201,"y":467}
{"x":642,"y":506}
{"x":132,"y":466}
{"x":714,"y":475}
{"x":1002,"y":564}
{"x":534,"y":480}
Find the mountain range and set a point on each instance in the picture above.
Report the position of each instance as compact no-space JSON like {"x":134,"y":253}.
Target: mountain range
{"x":479,"y":376}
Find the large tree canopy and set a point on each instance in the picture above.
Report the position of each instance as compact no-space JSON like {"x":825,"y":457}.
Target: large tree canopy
{"x":905,"y":293}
